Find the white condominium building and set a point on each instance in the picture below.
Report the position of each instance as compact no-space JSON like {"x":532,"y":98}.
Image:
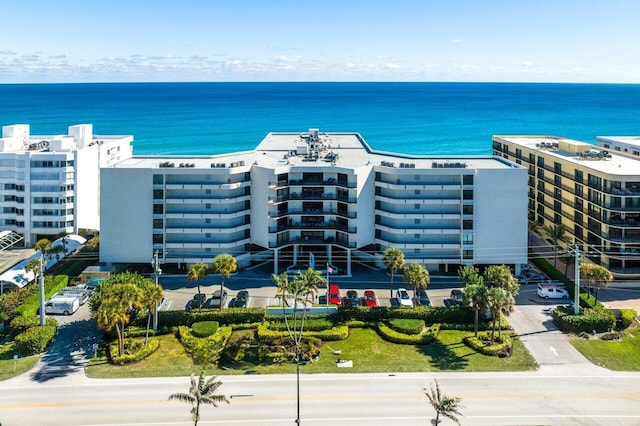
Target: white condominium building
{"x":314,"y":198}
{"x":594,"y":191}
{"x":50,"y":184}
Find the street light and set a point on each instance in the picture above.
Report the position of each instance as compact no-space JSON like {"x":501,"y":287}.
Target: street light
{"x":156,"y":274}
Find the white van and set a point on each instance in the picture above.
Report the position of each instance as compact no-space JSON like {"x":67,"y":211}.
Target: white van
{"x":550,"y":291}
{"x":62,"y":305}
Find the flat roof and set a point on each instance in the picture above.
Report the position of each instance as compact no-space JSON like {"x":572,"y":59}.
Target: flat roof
{"x":306,"y":149}
{"x":629,"y":140}
{"x":572,"y":151}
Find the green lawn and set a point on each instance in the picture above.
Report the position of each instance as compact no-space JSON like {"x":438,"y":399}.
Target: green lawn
{"x":10,"y":367}
{"x":622,"y":356}
{"x":369,"y":353}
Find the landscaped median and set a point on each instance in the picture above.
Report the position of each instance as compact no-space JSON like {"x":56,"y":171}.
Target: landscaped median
{"x":375,"y":340}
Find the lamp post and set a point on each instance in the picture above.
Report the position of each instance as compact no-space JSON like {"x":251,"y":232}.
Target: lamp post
{"x":576,"y":280}
{"x":41,"y":289}
{"x":156,"y":274}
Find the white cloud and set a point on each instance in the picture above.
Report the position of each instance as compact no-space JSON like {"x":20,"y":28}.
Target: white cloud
{"x":456,"y":40}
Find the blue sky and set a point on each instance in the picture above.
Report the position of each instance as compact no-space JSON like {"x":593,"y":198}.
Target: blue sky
{"x":320,"y":40}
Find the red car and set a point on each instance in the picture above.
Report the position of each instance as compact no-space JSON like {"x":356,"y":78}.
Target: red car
{"x":334,"y":294}
{"x":370,"y":298}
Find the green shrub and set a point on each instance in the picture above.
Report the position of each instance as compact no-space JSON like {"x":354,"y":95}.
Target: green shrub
{"x":135,"y":331}
{"x":502,"y":345}
{"x":627,"y":317}
{"x":20,"y":324}
{"x":51,"y":286}
{"x":135,"y":350}
{"x":236,"y":348}
{"x":393,"y":336}
{"x":406,"y":326}
{"x":614,"y":335}
{"x":311,"y":324}
{"x":204,"y":350}
{"x":36,"y":339}
{"x":359,"y":324}
{"x":223,"y":316}
{"x":245,"y":326}
{"x":340,"y":332}
{"x":204,"y":328}
{"x":600,"y":320}
{"x":429,"y":314}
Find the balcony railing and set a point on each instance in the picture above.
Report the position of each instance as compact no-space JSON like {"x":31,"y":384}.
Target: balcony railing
{"x":315,"y":212}
{"x":323,"y":225}
{"x":311,"y":241}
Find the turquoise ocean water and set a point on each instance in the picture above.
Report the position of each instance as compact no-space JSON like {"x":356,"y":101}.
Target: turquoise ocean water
{"x":418,"y":118}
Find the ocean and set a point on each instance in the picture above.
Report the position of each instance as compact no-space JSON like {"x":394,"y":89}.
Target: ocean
{"x":415,"y":118}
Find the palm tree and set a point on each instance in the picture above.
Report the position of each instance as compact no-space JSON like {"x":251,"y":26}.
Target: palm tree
{"x":444,"y":405}
{"x":197,"y":271}
{"x":416,"y":276}
{"x":151,"y":296}
{"x":501,"y":276}
{"x":476,"y":295}
{"x":311,"y":279}
{"x":596,"y":275}
{"x":43,"y":246}
{"x":225,"y":265}
{"x":557,"y":234}
{"x":393,"y":259}
{"x":500,"y":302}
{"x":110,"y":315}
{"x":469,"y":275}
{"x":201,"y":391}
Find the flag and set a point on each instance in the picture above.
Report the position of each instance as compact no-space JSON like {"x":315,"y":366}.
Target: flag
{"x":329,"y":269}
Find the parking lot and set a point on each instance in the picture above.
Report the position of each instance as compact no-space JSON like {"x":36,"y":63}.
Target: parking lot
{"x":262,"y":290}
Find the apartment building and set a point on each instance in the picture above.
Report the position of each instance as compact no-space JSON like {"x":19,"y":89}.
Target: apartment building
{"x":594,"y":192}
{"x":621,"y":145}
{"x":318,"y":198}
{"x":49,"y":184}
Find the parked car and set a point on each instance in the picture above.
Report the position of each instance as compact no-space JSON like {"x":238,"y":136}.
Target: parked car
{"x":422,"y":298}
{"x":334,"y":294}
{"x":370,"y":298}
{"x":456,"y":296}
{"x":351,"y":300}
{"x":403,"y":298}
{"x":217,"y":299}
{"x":531,"y":276}
{"x":550,"y":291}
{"x":197,"y":302}
{"x":241,"y":300}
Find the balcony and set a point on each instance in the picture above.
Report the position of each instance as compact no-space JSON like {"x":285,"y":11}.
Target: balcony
{"x":423,"y":215}
{"x":326,"y":182}
{"x":207,"y":245}
{"x":311,"y":241}
{"x":315,"y":212}
{"x":420,"y":199}
{"x":425,"y":246}
{"x":323,"y":225}
{"x":208,"y":228}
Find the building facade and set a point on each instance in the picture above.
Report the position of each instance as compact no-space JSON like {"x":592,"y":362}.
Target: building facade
{"x":50,"y":184}
{"x":594,"y":192}
{"x":314,"y":198}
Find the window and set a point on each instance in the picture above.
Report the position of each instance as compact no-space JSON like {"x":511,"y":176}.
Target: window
{"x":467,"y":224}
{"x":415,"y":221}
{"x":578,"y":176}
{"x":158,"y":209}
{"x":467,"y":209}
{"x":467,"y":254}
{"x":158,"y":179}
{"x":532,"y":158}
{"x":416,"y":206}
{"x":158,"y":194}
{"x":540,"y":161}
{"x":557,"y":167}
{"x":157,"y":238}
{"x":467,"y":238}
{"x":518,"y":153}
{"x":467,"y":179}
{"x":416,"y":192}
{"x":157,"y":223}
{"x":467,"y":194}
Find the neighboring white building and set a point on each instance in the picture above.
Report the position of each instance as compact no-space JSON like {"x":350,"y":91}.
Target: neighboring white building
{"x":50,"y":184}
{"x":623,"y":145}
{"x":326,"y":194}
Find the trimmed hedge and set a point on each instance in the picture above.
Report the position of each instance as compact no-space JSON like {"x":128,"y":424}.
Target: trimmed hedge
{"x":204,"y":350}
{"x":600,"y":320}
{"x":393,"y":336}
{"x":313,"y":324}
{"x":406,"y":326}
{"x":223,"y":316}
{"x":204,"y":328}
{"x":20,"y":324}
{"x":236,"y":348}
{"x":51,"y":286}
{"x":141,"y":351}
{"x":429,"y":314}
{"x":36,"y":339}
{"x":502,"y":347}
{"x":627,"y":317}
{"x":340,"y":332}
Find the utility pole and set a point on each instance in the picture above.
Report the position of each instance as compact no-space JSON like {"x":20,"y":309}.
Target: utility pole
{"x":576,"y":280}
{"x":156,"y":274}
{"x":41,"y":289}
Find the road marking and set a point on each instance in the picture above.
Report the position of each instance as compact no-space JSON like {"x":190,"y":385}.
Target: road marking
{"x":554,"y":350}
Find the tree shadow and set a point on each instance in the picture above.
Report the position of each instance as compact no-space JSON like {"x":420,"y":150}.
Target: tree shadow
{"x":443,"y":357}
{"x":70,"y":352}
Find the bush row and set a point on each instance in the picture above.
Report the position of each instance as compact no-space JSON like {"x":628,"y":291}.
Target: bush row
{"x":36,"y":339}
{"x":393,"y":336}
{"x":430,"y":315}
{"x":501,"y":347}
{"x":223,"y":316}
{"x":20,"y":324}
{"x":136,"y":352}
{"x":32,"y":303}
{"x":340,"y":332}
{"x":204,"y":328}
{"x":600,"y":320}
{"x":311,"y":324}
{"x":406,"y":326}
{"x":204,"y":350}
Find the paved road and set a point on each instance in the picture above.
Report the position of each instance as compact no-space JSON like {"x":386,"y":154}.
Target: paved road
{"x":546,"y":397}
